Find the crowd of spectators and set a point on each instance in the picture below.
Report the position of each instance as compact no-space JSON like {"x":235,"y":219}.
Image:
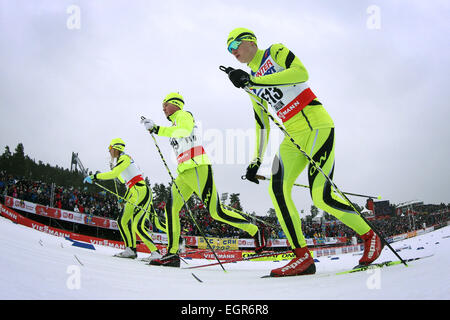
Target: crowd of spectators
{"x":72,"y":199}
{"x":105,"y":205}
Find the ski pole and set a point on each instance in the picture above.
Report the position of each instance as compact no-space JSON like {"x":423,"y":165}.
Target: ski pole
{"x":111,"y":166}
{"x":125,"y":200}
{"x":182,"y":197}
{"x":312,"y":162}
{"x":253,"y":217}
{"x":259,"y":177}
{"x":117,"y":192}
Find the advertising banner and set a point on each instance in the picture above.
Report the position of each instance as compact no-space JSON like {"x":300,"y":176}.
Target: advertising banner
{"x":218,"y":243}
{"x":55,"y":213}
{"x":278,"y":257}
{"x":19,"y":219}
{"x":160,"y":238}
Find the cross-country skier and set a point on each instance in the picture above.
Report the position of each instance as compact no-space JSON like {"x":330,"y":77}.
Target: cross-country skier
{"x":138,"y":201}
{"x":194,"y":175}
{"x":277,"y":77}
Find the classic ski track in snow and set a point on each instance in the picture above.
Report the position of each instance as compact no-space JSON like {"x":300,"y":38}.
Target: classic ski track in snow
{"x":35,"y":265}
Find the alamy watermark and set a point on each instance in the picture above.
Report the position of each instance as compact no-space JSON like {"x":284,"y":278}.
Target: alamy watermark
{"x":73,"y":281}
{"x":73,"y":21}
{"x":373,"y":21}
{"x":373,"y":282}
{"x":233,"y":146}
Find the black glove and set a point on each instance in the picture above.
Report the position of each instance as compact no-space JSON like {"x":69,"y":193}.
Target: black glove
{"x":252,"y":169}
{"x":239,"y":78}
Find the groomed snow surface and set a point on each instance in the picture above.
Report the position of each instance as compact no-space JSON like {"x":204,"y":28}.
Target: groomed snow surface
{"x":38,"y":266}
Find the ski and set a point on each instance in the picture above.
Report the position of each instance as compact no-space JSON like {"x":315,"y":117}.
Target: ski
{"x":360,"y":268}
{"x":255,"y":256}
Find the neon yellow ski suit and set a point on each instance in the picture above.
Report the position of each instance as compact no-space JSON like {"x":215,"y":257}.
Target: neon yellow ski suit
{"x":280,"y":79}
{"x":195,"y":175}
{"x":139,"y":202}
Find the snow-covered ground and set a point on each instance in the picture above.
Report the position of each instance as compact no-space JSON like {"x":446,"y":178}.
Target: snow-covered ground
{"x":35,"y":265}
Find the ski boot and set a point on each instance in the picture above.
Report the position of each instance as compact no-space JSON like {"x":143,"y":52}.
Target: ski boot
{"x":153,"y":255}
{"x":129,"y":253}
{"x":302,"y":264}
{"x":168,"y":260}
{"x":372,"y":248}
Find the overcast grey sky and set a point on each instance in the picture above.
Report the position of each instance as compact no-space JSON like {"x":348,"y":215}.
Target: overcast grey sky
{"x":75,"y":74}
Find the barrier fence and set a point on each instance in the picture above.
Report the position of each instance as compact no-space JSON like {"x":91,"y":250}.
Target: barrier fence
{"x":226,"y":248}
{"x":160,"y":238}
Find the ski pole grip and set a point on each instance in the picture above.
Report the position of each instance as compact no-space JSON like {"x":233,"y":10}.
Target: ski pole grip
{"x":257,"y":177}
{"x":227,"y":70}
